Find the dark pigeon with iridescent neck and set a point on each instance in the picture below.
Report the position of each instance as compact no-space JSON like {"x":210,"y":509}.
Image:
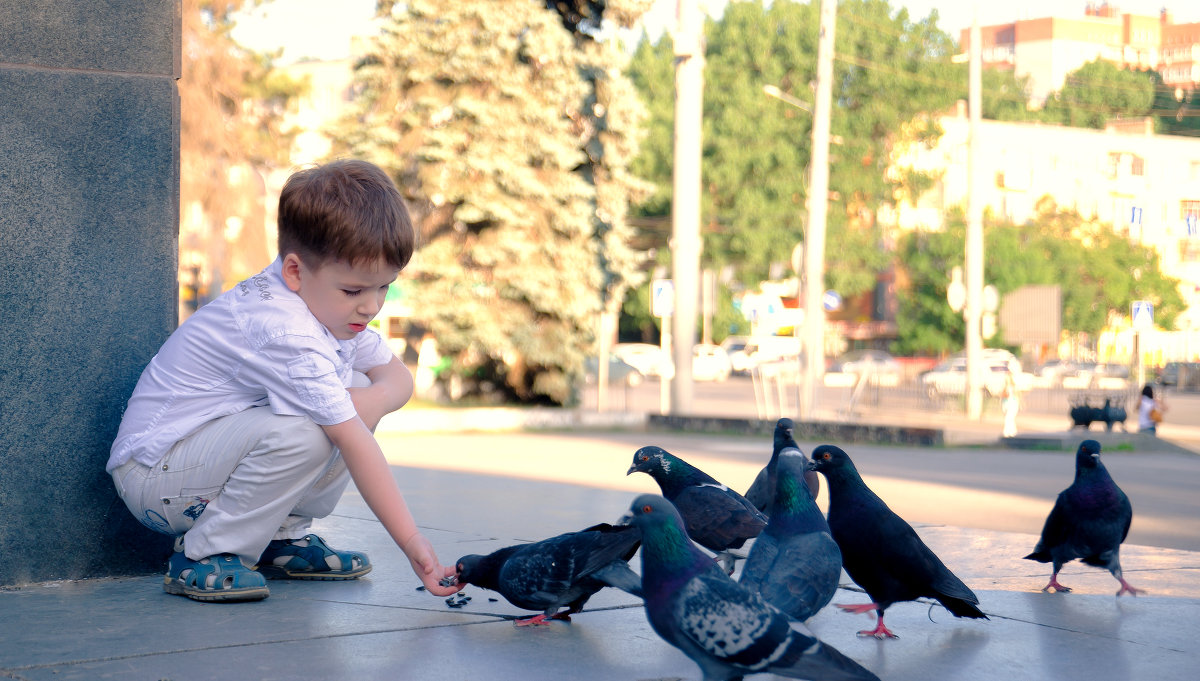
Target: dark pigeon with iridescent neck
{"x":881,"y":552}
{"x":725,"y":628}
{"x":1089,"y":521}
{"x":565,"y":570}
{"x":762,"y":490}
{"x":795,"y":563}
{"x":716,"y":517}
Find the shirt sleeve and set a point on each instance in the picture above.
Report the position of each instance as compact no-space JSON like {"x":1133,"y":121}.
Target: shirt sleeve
{"x":302,"y":382}
{"x":372,"y":351}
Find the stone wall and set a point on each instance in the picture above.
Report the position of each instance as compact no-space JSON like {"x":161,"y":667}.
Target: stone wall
{"x":89,"y":193}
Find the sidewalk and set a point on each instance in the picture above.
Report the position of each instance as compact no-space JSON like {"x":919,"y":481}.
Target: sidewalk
{"x":381,"y":627}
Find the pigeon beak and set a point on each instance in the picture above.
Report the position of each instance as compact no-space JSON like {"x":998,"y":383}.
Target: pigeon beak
{"x":810,"y":465}
{"x":1095,"y":456}
{"x":632,"y":469}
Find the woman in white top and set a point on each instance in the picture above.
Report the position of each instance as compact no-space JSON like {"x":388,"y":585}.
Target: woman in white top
{"x":1148,"y":408}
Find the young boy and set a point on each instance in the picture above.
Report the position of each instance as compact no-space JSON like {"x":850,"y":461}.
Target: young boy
{"x":244,"y":427}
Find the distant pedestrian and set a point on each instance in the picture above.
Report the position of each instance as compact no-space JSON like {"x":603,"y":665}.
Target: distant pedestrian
{"x":1150,"y":411}
{"x":1010,"y":403}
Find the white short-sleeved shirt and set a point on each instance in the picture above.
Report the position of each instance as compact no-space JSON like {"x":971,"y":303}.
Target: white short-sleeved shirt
{"x":256,"y":345}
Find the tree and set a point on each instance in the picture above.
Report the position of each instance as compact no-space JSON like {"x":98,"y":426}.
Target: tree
{"x":511,"y":131}
{"x":230,"y":103}
{"x":756,"y":149}
{"x":1100,"y":271}
{"x":1099,"y":91}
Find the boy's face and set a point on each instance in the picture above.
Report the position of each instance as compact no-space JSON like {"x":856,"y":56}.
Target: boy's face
{"x":341,"y":296}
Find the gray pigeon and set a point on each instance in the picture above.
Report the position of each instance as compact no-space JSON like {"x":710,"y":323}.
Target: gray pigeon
{"x":716,"y":517}
{"x":795,"y":563}
{"x":727,"y":629}
{"x":1089,"y":521}
{"x":762,"y":490}
{"x":880,"y":551}
{"x":565,"y":570}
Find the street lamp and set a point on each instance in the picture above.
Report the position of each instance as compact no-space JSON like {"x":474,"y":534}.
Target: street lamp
{"x":782,"y":96}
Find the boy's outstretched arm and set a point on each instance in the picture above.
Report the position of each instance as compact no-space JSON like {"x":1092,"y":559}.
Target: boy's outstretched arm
{"x":374,"y":480}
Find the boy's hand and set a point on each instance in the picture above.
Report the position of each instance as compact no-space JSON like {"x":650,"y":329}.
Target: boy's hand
{"x":427,"y":568}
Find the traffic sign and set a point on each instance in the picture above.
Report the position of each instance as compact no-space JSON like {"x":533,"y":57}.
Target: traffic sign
{"x":1143,"y":314}
{"x":831,"y":300}
{"x":662,"y":298}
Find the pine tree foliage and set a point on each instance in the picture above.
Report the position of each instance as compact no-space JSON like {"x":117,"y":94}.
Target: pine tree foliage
{"x":511,"y":136}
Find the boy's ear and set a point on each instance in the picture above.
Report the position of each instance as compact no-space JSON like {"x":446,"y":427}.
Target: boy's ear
{"x":292,"y":267}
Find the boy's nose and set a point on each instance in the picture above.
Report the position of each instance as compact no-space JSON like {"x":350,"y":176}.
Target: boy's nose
{"x":371,"y":305}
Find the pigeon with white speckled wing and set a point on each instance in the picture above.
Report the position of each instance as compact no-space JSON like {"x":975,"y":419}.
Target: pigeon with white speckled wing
{"x":716,"y":517}
{"x":565,"y":570}
{"x":727,"y":629}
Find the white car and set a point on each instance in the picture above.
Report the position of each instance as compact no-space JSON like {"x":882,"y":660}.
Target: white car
{"x":950,"y":377}
{"x":710,"y":363}
{"x":648,"y":359}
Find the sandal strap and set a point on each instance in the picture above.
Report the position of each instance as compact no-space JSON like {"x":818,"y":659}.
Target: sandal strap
{"x":309,"y":556}
{"x":219,"y":577}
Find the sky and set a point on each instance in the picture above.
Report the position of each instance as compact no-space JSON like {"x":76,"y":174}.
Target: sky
{"x":322,"y":28}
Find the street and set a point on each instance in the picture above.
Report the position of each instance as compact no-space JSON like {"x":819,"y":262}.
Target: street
{"x":987,"y":489}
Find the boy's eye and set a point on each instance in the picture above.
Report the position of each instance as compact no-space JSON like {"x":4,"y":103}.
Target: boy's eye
{"x":352,"y":292}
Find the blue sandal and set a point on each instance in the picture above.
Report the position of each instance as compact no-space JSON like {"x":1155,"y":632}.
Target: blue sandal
{"x":216,"y":578}
{"x":311,"y":558}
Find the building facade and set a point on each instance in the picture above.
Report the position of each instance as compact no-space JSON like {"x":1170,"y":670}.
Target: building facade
{"x":1048,"y":48}
{"x":1146,"y":186}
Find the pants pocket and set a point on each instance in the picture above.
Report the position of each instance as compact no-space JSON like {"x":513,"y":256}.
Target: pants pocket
{"x":180,"y":512}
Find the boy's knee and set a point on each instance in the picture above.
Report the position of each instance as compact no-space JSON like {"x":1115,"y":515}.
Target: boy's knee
{"x":301,"y":435}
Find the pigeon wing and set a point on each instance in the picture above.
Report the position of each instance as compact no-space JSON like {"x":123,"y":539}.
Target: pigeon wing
{"x":729,"y":623}
{"x":718,"y":518}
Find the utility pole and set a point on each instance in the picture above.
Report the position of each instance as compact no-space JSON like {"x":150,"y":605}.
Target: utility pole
{"x":685,"y":205}
{"x":974,"y":248}
{"x":818,"y":209}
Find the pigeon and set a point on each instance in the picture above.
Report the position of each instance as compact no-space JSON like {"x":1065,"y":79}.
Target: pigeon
{"x":762,"y":490}
{"x":1089,"y":521}
{"x":563,"y":570}
{"x":716,"y":517}
{"x":724,"y":627}
{"x":880,"y":551}
{"x":795,"y":563}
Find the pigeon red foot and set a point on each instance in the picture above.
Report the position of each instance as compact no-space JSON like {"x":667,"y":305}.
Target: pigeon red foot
{"x":880,"y":632}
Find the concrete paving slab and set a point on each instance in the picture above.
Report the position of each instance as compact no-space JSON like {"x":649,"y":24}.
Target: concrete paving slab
{"x":382,"y":627}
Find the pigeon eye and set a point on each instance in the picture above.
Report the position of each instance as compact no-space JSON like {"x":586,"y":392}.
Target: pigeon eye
{"x":645,"y":458}
{"x":647,"y":508}
{"x":825,"y":456}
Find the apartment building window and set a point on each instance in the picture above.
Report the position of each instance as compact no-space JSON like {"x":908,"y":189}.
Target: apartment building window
{"x":1124,"y":164}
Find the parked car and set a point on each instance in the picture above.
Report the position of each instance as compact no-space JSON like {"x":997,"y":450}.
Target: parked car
{"x":950,"y":377}
{"x":710,"y":363}
{"x":739,"y":359}
{"x":646,"y":358}
{"x":619,"y":371}
{"x":866,"y":363}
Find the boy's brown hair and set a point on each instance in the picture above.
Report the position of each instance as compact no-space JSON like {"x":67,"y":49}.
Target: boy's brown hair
{"x":346,"y":210}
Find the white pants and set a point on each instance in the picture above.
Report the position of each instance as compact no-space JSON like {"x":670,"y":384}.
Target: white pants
{"x":237,"y":483}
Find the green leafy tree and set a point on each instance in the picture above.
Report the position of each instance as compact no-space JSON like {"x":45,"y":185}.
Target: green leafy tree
{"x":1099,"y":91}
{"x":511,"y":131}
{"x":1177,"y":110}
{"x":1100,"y":271}
{"x":757,"y":149}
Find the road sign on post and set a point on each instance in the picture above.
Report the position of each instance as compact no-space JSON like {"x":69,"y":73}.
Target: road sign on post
{"x":1143,"y":315}
{"x":662,"y":298}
